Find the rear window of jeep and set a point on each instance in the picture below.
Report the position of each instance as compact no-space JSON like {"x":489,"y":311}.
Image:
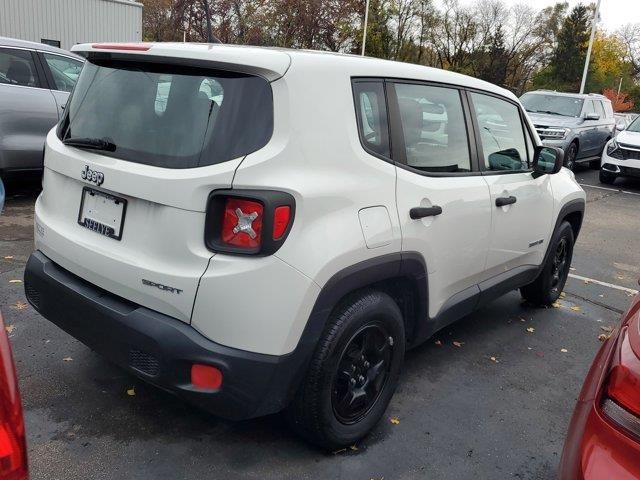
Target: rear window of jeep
{"x":168,"y":115}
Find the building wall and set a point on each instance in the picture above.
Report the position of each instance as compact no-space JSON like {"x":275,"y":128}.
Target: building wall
{"x":71,"y":21}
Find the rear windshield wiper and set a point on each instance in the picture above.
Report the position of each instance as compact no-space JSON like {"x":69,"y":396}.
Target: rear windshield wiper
{"x":91,"y":143}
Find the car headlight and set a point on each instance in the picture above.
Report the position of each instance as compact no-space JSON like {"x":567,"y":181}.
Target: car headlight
{"x":612,"y":147}
{"x":554,"y":133}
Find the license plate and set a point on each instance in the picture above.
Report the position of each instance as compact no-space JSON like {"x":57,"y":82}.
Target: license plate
{"x":102,"y":213}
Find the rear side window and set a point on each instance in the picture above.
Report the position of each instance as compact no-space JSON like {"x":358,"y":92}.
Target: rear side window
{"x":371,"y":113}
{"x":599,"y":108}
{"x":170,"y":116}
{"x":501,"y":133}
{"x":17,"y":68}
{"x":65,"y":71}
{"x":434,"y":129}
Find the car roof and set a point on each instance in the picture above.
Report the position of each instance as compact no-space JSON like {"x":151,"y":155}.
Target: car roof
{"x":568,"y":94}
{"x":14,"y":42}
{"x":274,"y":62}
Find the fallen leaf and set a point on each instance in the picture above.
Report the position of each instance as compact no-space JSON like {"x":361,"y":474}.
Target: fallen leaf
{"x":601,"y":296}
{"x":132,"y":392}
{"x":353,"y":447}
{"x":572,"y":269}
{"x":528,"y":348}
{"x":564,"y":350}
{"x":522,"y":319}
{"x":19,"y":306}
{"x":10,"y":328}
{"x":575,"y":308}
{"x":494,"y":359}
{"x":335,"y":452}
{"x":9,"y":257}
{"x":607,"y":329}
{"x":556,"y":304}
{"x":67,"y":359}
{"x":562,"y":294}
{"x":587,"y":282}
{"x":15,"y":280}
{"x":458,"y":344}
{"x":395,"y":420}
{"x":620,"y":277}
{"x":631,"y":294}
{"x":531,"y":329}
{"x":602,"y":337}
{"x":438,"y":342}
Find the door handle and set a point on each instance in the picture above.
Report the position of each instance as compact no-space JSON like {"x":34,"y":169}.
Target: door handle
{"x":503,"y":201}
{"x":420,"y":212}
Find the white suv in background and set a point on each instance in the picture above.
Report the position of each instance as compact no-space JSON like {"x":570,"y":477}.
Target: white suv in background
{"x":621,"y":156}
{"x":259,"y":230}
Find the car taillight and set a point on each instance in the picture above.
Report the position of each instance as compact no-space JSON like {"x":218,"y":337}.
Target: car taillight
{"x":242,"y":223}
{"x":248,"y":222}
{"x":281,"y":218}
{"x":621,"y":402}
{"x":13,"y":452}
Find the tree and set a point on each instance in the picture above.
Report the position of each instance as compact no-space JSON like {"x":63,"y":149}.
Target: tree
{"x":621,"y":102}
{"x":571,"y":52}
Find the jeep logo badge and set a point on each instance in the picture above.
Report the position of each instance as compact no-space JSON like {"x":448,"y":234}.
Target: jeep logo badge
{"x":92,"y":176}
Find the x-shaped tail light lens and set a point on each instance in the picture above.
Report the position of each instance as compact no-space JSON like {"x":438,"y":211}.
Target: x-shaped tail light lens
{"x":242,"y":224}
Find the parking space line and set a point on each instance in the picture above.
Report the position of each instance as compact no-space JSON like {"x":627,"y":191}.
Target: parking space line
{"x":608,"y":189}
{"x":604,"y":284}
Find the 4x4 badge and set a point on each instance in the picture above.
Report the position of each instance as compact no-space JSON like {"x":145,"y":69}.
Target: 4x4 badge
{"x":92,"y":176}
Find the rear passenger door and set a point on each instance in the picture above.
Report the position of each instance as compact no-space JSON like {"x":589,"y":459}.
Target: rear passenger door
{"x":27,"y":109}
{"x":521,"y":203}
{"x":442,"y":199}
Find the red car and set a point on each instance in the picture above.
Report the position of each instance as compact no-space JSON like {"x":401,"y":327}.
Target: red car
{"x":13,"y":451}
{"x":604,"y":435}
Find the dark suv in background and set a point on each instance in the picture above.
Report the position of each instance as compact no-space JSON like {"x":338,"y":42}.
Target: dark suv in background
{"x":579,"y":124}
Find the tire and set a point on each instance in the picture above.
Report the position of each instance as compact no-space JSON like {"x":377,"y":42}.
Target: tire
{"x":570,"y":156}
{"x":607,"y":178}
{"x":546,"y":289}
{"x":339,"y":402}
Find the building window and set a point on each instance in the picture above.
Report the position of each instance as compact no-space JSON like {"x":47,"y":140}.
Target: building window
{"x":51,"y":43}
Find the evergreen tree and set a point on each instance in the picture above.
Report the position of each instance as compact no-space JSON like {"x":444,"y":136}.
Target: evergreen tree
{"x":570,"y":54}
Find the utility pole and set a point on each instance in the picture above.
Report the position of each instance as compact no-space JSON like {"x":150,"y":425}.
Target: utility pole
{"x":620,"y":86}
{"x":596,"y":18}
{"x":366,"y":22}
{"x":207,"y":14}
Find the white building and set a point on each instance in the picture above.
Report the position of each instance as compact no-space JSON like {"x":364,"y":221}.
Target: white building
{"x":63,"y":23}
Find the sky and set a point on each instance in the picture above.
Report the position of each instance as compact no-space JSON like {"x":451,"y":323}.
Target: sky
{"x":613,"y":13}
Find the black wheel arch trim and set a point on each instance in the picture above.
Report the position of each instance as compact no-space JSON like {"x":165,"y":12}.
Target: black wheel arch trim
{"x":399,"y":265}
{"x":577,"y":205}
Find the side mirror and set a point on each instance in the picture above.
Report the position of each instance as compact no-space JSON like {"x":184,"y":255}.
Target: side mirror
{"x":547,"y":160}
{"x":592,"y":116}
{"x":620,"y":127}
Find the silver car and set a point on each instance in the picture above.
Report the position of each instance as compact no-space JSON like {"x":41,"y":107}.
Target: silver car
{"x":579,"y":124}
{"x":35,"y":81}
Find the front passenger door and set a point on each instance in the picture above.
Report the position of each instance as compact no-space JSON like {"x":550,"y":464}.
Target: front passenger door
{"x":521,"y":204}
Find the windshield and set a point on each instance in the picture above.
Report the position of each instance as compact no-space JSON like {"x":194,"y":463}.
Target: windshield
{"x":552,"y":104}
{"x":635,"y":126}
{"x":167,"y":115}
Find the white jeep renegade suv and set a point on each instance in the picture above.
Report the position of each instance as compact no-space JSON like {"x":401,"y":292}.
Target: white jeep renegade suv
{"x":258,"y":229}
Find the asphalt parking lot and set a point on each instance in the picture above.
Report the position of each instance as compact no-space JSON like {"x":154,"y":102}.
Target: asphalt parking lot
{"x":461,"y":414}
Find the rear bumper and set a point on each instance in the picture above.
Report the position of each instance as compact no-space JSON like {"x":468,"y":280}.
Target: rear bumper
{"x":157,"y":348}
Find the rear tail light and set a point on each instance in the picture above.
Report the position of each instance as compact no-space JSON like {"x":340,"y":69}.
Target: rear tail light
{"x":248,"y":222}
{"x":242,"y":223}
{"x":621,"y":402}
{"x":13,"y":452}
